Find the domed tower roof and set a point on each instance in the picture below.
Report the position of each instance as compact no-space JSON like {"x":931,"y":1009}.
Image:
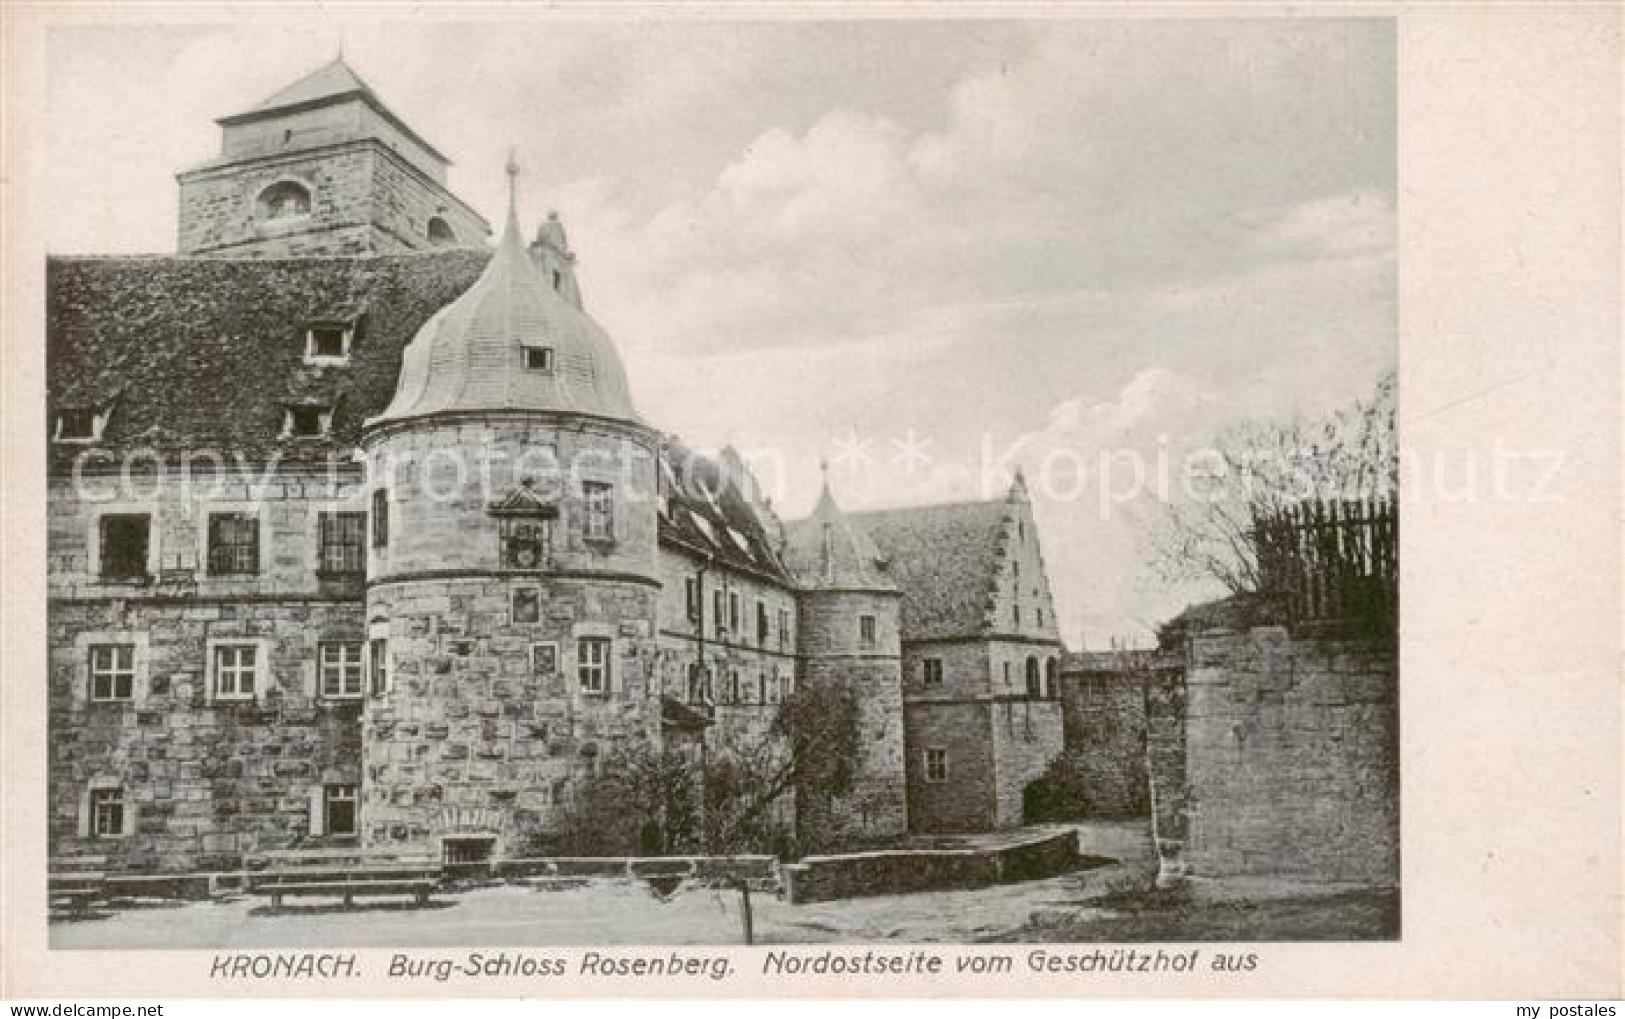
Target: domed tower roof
{"x":827,"y":551}
{"x":512,"y":341}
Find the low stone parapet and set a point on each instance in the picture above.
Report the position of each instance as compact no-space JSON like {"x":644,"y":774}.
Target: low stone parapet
{"x":896,"y":871}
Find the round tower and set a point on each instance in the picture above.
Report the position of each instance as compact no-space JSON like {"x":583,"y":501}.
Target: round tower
{"x":512,"y":585}
{"x":851,"y":640}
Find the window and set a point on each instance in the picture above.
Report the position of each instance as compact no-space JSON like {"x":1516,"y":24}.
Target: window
{"x":1033,"y":687}
{"x":1015,"y":614}
{"x":784,"y":629}
{"x":527,"y":542}
{"x":440,"y":232}
{"x":339,"y":663}
{"x":234,"y":544}
{"x":600,"y":509}
{"x":343,"y":543}
{"x":696,"y":683}
{"x":1040,"y":617}
{"x":691,"y":598}
{"x":931,"y":671}
{"x":338,"y":809}
{"x":378,"y":666}
{"x":761,"y":688}
{"x":733,"y":612}
{"x":733,"y":686}
{"x":544,"y":660}
{"x":124,"y":546}
{"x":285,"y":199}
{"x":866,"y":631}
{"x":761,"y":623}
{"x":539,"y":359}
{"x":77,"y":425}
{"x":236,"y":669}
{"x":592,"y":664}
{"x":328,"y":342}
{"x":936,"y":764}
{"x":527,"y":605}
{"x":717,"y":604}
{"x":380,"y":518}
{"x":107,"y":812}
{"x":1051,"y":671}
{"x":112,"y":672}
{"x":1007,"y":674}
{"x":306,"y":421}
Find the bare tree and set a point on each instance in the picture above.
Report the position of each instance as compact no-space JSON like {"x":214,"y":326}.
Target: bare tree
{"x":1258,"y":468}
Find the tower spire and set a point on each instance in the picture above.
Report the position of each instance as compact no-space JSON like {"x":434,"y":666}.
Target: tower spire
{"x":513,"y":190}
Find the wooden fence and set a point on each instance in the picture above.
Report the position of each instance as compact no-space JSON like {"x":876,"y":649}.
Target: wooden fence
{"x":1332,"y":560}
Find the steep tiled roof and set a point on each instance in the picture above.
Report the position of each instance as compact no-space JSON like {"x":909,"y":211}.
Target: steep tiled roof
{"x":827,"y":551}
{"x":468,"y":356}
{"x":329,"y":81}
{"x":200,"y":354}
{"x":707,"y":507}
{"x":945,"y":559}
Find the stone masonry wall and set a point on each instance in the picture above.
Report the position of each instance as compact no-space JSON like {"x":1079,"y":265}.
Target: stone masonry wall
{"x":877,"y":804}
{"x":965,"y":801}
{"x":203,"y":781}
{"x":1027,"y":736}
{"x":1291,"y":756}
{"x":1103,"y":699}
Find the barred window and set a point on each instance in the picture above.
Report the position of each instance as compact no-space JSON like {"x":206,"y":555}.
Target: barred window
{"x":112,"y":672}
{"x":339,"y":663}
{"x":234,"y":544}
{"x":236,"y":670}
{"x":600,"y":500}
{"x":592,"y":661}
{"x":343,"y":543}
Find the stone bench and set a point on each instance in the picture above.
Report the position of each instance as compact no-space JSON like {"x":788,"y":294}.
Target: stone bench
{"x":74,"y":883}
{"x":344,"y":873}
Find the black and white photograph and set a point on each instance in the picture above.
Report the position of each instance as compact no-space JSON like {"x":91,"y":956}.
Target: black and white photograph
{"x":824,"y":485}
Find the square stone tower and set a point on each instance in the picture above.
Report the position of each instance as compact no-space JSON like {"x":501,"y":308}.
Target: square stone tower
{"x":322,"y":167}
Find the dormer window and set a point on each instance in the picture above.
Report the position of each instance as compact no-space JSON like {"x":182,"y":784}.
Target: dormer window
{"x":328,"y":343}
{"x":306,"y":421}
{"x":79,"y":424}
{"x":539,"y":359}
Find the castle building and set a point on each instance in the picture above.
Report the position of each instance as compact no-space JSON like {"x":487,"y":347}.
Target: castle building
{"x":356,"y":537}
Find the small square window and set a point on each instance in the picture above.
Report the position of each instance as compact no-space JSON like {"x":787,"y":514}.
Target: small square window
{"x":107,"y":812}
{"x":539,"y":359}
{"x":339,"y":663}
{"x":112,"y":672}
{"x":307,"y":421}
{"x":932,"y":671}
{"x":328,"y":342}
{"x":76,"y":425}
{"x":592,"y":664}
{"x":936,"y":764}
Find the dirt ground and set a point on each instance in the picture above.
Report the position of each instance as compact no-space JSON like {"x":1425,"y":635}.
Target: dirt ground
{"x":1107,"y":902}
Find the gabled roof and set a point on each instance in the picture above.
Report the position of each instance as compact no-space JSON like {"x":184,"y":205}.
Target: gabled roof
{"x":945,"y":559}
{"x":204,"y":354}
{"x":826,"y":551}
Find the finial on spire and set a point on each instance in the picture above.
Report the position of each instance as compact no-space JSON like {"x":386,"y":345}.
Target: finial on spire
{"x":823,"y":468}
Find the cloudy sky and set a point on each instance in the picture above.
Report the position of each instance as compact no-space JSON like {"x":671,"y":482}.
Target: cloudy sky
{"x":911,"y":247}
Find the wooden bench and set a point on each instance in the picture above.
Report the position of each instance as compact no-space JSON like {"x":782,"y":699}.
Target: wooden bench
{"x":74,"y":883}
{"x":345,"y":873}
